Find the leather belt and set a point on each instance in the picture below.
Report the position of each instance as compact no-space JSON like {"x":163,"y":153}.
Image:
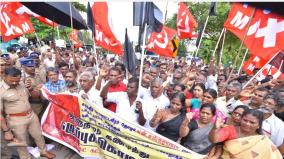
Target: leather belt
{"x":22,"y":114}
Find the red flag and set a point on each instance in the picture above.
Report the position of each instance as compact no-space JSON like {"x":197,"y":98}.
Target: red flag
{"x":265,"y":35}
{"x":73,"y":36}
{"x":161,"y":43}
{"x":13,"y":25}
{"x":275,"y":68}
{"x":254,"y":62}
{"x":104,"y":36}
{"x":185,"y":22}
{"x":23,"y":10}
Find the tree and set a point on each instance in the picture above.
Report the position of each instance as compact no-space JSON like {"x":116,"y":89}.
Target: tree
{"x":214,"y":26}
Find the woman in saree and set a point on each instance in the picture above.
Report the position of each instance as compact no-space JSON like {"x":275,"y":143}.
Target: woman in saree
{"x":237,"y":113}
{"x":169,"y":119}
{"x":194,"y":132}
{"x":246,"y":140}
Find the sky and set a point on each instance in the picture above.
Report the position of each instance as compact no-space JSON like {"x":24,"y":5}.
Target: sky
{"x":121,"y":13}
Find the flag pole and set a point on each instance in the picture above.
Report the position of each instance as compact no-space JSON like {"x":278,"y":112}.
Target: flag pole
{"x":38,"y":41}
{"x":241,"y":46}
{"x":251,"y":79}
{"x":196,"y":52}
{"x":221,"y":34}
{"x":142,"y":60}
{"x":166,"y":11}
{"x":222,"y":47}
{"x":57,"y":28}
{"x":95,"y":54}
{"x":243,"y":60}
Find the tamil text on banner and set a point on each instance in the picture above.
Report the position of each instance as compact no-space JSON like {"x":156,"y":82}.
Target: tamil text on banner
{"x":95,"y":132}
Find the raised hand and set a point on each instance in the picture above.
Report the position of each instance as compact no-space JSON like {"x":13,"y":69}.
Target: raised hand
{"x":28,"y":84}
{"x":218,"y":122}
{"x":189,"y":116}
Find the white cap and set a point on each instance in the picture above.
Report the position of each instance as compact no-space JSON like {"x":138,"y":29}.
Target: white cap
{"x":80,"y":49}
{"x":18,"y":51}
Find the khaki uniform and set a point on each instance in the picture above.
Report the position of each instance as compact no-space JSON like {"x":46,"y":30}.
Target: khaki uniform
{"x":6,"y":152}
{"x":41,"y":71}
{"x":36,"y":104}
{"x":16,"y":100}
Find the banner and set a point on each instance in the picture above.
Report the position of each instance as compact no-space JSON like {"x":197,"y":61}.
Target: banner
{"x":95,"y":132}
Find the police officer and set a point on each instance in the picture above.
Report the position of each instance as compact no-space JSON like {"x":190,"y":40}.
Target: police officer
{"x":20,"y":118}
{"x":30,"y":76}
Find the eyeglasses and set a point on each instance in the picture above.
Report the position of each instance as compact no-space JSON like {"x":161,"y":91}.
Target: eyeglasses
{"x":237,"y":114}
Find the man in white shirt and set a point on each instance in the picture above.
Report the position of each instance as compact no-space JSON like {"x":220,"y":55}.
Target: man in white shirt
{"x":152,"y":101}
{"x":88,"y":89}
{"x":50,"y":60}
{"x":272,"y":126}
{"x":228,"y":103}
{"x":125,"y":101}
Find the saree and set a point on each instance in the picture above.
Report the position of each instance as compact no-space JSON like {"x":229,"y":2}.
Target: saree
{"x":197,"y":140}
{"x":170,"y":128}
{"x":252,"y":147}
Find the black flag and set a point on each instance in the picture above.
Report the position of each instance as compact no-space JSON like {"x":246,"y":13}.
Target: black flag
{"x":212,"y":11}
{"x":90,"y":19}
{"x":129,"y":56}
{"x":147,"y":13}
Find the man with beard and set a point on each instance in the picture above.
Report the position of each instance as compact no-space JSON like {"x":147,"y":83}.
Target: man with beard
{"x":272,"y":126}
{"x":54,"y":84}
{"x":20,"y":118}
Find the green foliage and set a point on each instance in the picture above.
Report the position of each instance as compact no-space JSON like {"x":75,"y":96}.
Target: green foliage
{"x":79,"y":6}
{"x":214,"y":27}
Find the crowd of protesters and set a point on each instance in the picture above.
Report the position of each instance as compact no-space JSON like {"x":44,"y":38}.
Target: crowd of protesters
{"x":201,"y":106}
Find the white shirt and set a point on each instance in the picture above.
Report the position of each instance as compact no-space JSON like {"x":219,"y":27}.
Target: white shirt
{"x":227,"y":107}
{"x":49,"y":63}
{"x":93,"y":96}
{"x":143,"y":91}
{"x":123,"y":107}
{"x":151,"y":105}
{"x":211,"y":83}
{"x":273,"y":127}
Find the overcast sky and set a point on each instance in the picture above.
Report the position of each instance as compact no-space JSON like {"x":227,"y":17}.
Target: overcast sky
{"x":121,"y":13}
